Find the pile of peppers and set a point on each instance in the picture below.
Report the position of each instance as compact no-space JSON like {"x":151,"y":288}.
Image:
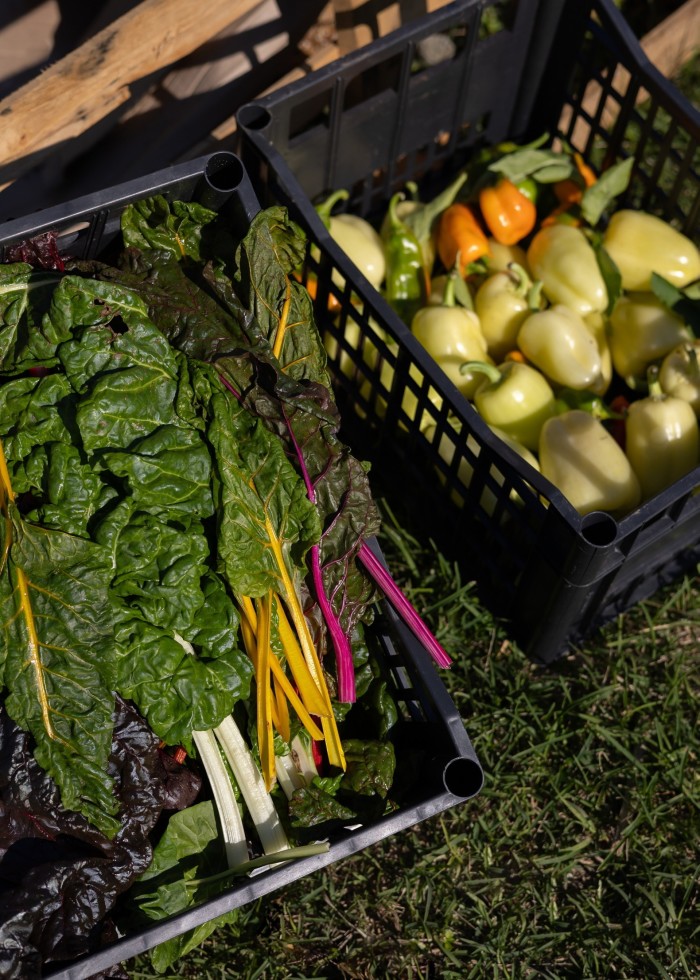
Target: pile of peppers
{"x":568,"y":322}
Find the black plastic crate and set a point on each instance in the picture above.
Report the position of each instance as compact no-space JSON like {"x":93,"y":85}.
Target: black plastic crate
{"x":429,"y":723}
{"x":372,"y":121}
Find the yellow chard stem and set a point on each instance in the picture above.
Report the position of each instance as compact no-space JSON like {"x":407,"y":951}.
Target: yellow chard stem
{"x":25,"y":604}
{"x":336,"y":756}
{"x":249,"y":624}
{"x":307,"y":683}
{"x":284,"y":317}
{"x":294,"y":699}
{"x":264,"y":691}
{"x":279,"y":703}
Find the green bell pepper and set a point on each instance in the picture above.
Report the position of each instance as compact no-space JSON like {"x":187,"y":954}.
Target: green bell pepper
{"x":406,"y":282}
{"x":515,"y":398}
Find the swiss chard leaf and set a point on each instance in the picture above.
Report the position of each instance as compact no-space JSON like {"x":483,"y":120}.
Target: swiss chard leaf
{"x":68,"y":493}
{"x":176,"y":626}
{"x":313,"y":805}
{"x":31,"y":414}
{"x":62,"y":877}
{"x":26,"y":337}
{"x":58,"y":656}
{"x":186,"y":229}
{"x":266,"y":259}
{"x":189,"y":849}
{"x":266,"y":520}
{"x":371,"y":766}
{"x":190,"y":305}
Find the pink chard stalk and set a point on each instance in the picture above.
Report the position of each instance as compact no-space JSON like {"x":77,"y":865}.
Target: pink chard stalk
{"x":403,"y":607}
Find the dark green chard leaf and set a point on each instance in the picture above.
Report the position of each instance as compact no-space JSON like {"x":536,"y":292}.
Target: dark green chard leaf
{"x":262,"y":500}
{"x":314,"y":805}
{"x":194,"y":307}
{"x":176,"y":626}
{"x":30,"y":414}
{"x":299,"y":412}
{"x":266,"y":259}
{"x":58,"y":656}
{"x":70,"y":493}
{"x":25,"y":295}
{"x":167,"y":471}
{"x":179,"y":227}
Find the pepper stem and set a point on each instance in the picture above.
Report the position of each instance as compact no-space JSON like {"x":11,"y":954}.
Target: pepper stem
{"x":325,"y":208}
{"x":492,"y":372}
{"x":691,"y":352}
{"x":521,"y":281}
{"x":397,"y":225}
{"x":448,"y":295}
{"x":655,"y":389}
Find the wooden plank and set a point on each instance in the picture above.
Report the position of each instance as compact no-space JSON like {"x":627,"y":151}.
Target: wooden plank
{"x":360,"y":23}
{"x":323,"y":55}
{"x":675,"y":40}
{"x":92,"y":81}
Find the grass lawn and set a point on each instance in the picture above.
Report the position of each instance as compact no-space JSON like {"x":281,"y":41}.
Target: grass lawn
{"x":578,"y":859}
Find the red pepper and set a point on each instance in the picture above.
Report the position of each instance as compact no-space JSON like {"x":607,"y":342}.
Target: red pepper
{"x":616,"y":426}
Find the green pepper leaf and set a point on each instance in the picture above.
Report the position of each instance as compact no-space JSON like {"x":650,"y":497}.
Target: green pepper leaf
{"x":610,"y":273}
{"x":544,"y":166}
{"x":684,"y":302}
{"x":611,"y":183}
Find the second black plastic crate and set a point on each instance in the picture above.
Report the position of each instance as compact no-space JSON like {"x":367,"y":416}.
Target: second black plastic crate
{"x":377,"y":118}
{"x":438,"y":759}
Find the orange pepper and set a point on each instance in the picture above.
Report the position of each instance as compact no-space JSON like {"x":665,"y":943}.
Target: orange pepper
{"x":509,"y":214}
{"x":568,"y":192}
{"x":459,"y":233}
{"x":561,"y":215}
{"x":311,"y":286}
{"x":587,"y":173}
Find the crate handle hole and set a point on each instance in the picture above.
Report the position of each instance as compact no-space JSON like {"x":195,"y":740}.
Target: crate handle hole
{"x":253,"y":117}
{"x":463,"y":777}
{"x":224,"y":172}
{"x":599,"y":529}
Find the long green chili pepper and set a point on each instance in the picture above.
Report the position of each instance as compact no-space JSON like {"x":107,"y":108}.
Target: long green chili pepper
{"x":406,"y":286}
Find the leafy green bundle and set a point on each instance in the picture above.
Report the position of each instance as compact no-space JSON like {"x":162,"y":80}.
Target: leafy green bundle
{"x":169,"y":442}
